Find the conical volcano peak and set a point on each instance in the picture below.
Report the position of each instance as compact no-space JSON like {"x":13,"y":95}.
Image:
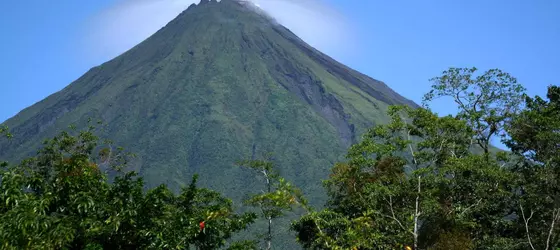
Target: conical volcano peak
{"x":203,"y":2}
{"x":249,"y":4}
{"x":207,"y":2}
{"x":225,"y":5}
{"x":218,"y":84}
{"x":219,"y":16}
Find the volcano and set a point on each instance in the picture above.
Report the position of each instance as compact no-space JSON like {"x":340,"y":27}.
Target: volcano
{"x":220,"y":83}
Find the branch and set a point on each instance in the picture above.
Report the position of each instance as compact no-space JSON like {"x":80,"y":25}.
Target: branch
{"x":322,"y":233}
{"x":555,"y":216}
{"x":411,"y":150}
{"x":109,"y":156}
{"x":453,"y":151}
{"x":395,"y":217}
{"x":416,"y":215}
{"x":265,"y":173}
{"x":476,"y":102}
{"x":460,"y":102}
{"x":434,"y":159}
{"x":416,"y":211}
{"x":471,"y":206}
{"x":527,"y":225}
{"x":356,"y":191}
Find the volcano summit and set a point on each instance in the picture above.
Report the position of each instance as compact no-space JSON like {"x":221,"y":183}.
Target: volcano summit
{"x":220,"y":83}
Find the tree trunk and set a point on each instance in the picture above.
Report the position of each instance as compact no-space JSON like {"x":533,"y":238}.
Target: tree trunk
{"x":269,"y":238}
{"x":416,"y":215}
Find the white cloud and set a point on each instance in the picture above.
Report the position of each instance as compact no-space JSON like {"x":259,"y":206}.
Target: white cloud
{"x":315,"y":22}
{"x":129,"y":22}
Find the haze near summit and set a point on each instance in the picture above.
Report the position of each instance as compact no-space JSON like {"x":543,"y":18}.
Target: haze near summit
{"x":128,"y":22}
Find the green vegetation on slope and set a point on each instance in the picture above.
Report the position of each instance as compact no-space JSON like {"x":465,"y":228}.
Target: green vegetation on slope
{"x":219,"y":83}
{"x":451,"y":199}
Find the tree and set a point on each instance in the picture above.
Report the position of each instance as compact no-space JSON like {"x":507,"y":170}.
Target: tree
{"x":414,"y":182}
{"x":535,"y":136}
{"x":487,"y":102}
{"x":383,"y":185}
{"x":279,"y":195}
{"x":4,"y":131}
{"x":535,"y":131}
{"x":418,"y":182}
{"x":62,"y":199}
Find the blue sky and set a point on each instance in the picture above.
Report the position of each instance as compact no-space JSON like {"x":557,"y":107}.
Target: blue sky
{"x":45,"y":45}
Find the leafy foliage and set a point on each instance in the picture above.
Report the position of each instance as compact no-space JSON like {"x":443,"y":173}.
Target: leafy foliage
{"x":417,"y":183}
{"x":4,"y":131}
{"x":412,"y":191}
{"x":535,"y":135}
{"x":62,"y":199}
{"x":535,"y":132}
{"x":279,"y":195}
{"x":487,"y":102}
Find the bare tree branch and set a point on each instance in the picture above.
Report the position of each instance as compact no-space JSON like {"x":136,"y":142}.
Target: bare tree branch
{"x":417,"y":208}
{"x":555,"y":216}
{"x":393,"y":214}
{"x":471,"y":206}
{"x":411,"y":150}
{"x":527,"y":225}
{"x":416,"y":215}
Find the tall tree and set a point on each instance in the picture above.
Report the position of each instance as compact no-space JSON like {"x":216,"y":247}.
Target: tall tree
{"x":413,"y":182}
{"x":278,"y":197}
{"x":535,"y":135}
{"x":487,"y":101}
{"x":416,"y":182}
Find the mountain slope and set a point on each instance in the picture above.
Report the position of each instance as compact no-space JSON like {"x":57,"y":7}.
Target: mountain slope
{"x":220,"y":83}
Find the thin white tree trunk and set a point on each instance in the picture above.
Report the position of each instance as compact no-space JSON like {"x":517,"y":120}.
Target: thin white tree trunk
{"x":555,"y":215}
{"x":417,"y":214}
